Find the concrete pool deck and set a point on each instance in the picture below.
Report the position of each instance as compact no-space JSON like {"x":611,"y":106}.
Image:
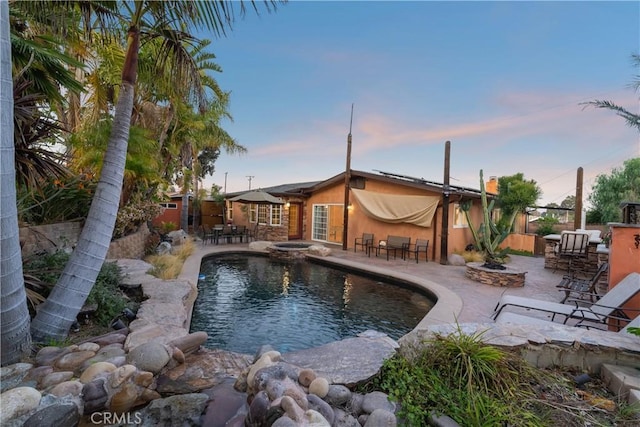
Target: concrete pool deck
{"x":459,"y":298}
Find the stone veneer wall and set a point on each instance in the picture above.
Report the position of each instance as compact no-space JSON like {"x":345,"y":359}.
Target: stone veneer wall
{"x":63,"y":235}
{"x":589,"y":266}
{"x":49,"y":237}
{"x":131,"y":246}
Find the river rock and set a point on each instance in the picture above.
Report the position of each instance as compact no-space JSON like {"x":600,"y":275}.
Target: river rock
{"x":99,"y":369}
{"x":151,"y":356}
{"x":319,"y":387}
{"x":225,"y":403}
{"x":72,"y":361}
{"x":322,"y":407}
{"x":202,"y":370}
{"x":189,"y":343}
{"x":89,"y":346}
{"x":338,"y":395}
{"x":17,"y":402}
{"x":112,"y":338}
{"x":258,"y":410}
{"x":315,"y":419}
{"x":48,"y":355}
{"x":67,"y":388}
{"x":267,"y":359}
{"x":344,"y":419}
{"x":38,"y":373}
{"x":106,"y":354}
{"x":12,"y":375}
{"x":94,"y":395}
{"x":55,"y":378}
{"x":381,"y":418}
{"x":62,"y":414}
{"x":377,"y":400}
{"x":306,"y":376}
{"x":182,"y":410}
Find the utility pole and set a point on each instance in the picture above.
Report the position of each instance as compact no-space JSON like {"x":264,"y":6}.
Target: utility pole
{"x":250,"y":177}
{"x":225,"y":182}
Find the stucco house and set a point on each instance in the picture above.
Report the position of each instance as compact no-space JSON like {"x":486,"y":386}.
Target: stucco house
{"x":381,"y":203}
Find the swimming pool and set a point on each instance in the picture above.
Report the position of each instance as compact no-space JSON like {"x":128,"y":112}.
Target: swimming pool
{"x":245,"y":301}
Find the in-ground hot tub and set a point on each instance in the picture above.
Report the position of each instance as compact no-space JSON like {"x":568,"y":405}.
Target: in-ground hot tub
{"x":289,"y":250}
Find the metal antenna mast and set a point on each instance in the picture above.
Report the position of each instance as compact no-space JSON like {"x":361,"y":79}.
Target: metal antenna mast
{"x":250,"y":177}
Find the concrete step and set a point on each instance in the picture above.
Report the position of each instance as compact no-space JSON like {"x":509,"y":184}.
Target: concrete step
{"x":623,"y":381}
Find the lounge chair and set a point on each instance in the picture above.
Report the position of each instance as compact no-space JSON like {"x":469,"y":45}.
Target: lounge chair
{"x":519,"y":319}
{"x":365,"y":242}
{"x":580,"y":288}
{"x":609,"y":307}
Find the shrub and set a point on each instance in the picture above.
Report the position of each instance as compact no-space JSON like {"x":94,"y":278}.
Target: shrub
{"x":57,"y":200}
{"x":136,"y":212}
{"x":106,"y":294}
{"x":460,"y":376}
{"x":546,"y":226}
{"x":169,"y":266}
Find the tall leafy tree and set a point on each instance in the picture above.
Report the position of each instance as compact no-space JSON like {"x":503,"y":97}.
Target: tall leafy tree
{"x":145,"y":21}
{"x":622,"y":184}
{"x":515,"y":194}
{"x":13,"y":301}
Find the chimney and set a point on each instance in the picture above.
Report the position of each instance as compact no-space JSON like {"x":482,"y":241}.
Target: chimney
{"x":492,"y":185}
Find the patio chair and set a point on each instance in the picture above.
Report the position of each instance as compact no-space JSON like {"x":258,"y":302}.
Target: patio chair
{"x":581,"y":288}
{"x":608,"y":307}
{"x":365,"y":242}
{"x":240,"y":232}
{"x":421,"y":245}
{"x":572,"y":245}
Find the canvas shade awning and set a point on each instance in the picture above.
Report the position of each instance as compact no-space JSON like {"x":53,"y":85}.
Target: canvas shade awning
{"x":397,"y":208}
{"x":258,"y":197}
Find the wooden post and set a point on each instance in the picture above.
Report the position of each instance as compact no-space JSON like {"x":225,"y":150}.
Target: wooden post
{"x":444,"y":237}
{"x":577,"y":220}
{"x":347,"y":179}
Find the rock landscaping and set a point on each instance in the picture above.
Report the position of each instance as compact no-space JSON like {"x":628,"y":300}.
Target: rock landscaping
{"x":154,"y":372}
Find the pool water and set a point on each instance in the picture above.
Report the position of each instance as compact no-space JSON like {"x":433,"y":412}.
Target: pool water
{"x":245,"y":301}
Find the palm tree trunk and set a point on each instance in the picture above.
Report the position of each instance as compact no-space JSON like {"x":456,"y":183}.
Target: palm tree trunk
{"x":16,"y":340}
{"x":59,"y":311}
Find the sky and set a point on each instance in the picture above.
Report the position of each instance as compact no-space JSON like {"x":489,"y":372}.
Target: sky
{"x":505,"y":82}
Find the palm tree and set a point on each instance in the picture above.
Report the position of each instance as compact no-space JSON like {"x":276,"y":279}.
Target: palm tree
{"x":13,"y":301}
{"x":145,"y":20}
{"x":632,"y":119}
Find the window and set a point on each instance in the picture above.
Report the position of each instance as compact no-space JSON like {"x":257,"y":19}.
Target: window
{"x":169,"y":205}
{"x":276,"y":214}
{"x":253,"y":213}
{"x":263,"y":214}
{"x":320,"y":215}
{"x":230,"y":211}
{"x":459,"y":218}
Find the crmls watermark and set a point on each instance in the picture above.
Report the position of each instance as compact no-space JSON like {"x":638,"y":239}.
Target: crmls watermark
{"x":110,"y":418}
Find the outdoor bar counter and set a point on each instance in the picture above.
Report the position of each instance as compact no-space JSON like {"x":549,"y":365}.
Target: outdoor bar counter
{"x":596,"y":254}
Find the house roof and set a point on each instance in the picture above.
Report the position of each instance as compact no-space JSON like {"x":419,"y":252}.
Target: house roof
{"x":283,"y":190}
{"x":305,"y":189}
{"x":405,"y":180}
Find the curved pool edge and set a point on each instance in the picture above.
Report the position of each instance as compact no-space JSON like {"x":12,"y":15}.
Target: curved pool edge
{"x":445,"y":311}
